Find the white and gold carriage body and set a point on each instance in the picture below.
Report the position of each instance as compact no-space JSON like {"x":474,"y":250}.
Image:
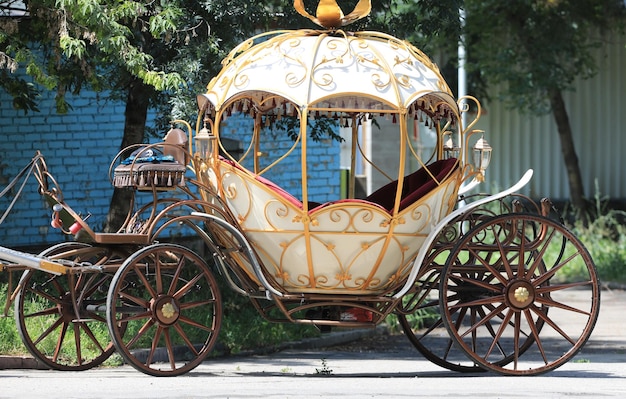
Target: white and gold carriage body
{"x":352,"y":245}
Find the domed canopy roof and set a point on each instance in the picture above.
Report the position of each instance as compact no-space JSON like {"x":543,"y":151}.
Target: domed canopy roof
{"x":333,"y":69}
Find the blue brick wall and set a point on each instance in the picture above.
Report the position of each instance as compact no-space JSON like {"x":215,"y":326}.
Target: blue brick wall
{"x":80,"y":145}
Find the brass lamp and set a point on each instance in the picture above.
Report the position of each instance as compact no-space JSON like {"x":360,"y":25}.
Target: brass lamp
{"x":482,"y":156}
{"x":205,"y":141}
{"x":449,"y":149}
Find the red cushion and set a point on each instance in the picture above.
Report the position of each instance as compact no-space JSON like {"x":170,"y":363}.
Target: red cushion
{"x":415,"y":186}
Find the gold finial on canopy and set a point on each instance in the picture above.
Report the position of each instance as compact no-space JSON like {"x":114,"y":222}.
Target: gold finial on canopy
{"x":329,"y":14}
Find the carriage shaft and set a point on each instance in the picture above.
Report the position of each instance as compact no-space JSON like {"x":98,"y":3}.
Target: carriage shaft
{"x":23,"y":259}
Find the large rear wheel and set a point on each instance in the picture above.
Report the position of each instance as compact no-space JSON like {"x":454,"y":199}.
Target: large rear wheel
{"x":519,"y":294}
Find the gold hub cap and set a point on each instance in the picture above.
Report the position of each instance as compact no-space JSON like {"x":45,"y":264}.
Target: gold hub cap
{"x":166,"y":310}
{"x":520,"y":294}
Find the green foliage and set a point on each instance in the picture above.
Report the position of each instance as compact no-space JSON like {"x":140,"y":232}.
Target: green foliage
{"x":605,"y":239}
{"x":10,"y":342}
{"x":243,"y":328}
{"x":532,"y":47}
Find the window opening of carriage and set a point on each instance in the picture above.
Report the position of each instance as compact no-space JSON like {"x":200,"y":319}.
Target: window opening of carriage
{"x":267,"y":127}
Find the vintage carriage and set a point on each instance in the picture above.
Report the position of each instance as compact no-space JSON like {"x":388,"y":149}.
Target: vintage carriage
{"x":492,"y":271}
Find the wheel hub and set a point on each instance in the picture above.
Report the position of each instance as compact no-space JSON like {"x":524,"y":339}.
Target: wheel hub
{"x":166,"y":310}
{"x":520,"y":294}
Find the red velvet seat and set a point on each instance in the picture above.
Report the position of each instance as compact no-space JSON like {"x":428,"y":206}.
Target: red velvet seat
{"x":415,"y":186}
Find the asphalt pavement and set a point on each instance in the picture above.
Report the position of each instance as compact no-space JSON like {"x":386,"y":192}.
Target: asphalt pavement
{"x":607,"y":342}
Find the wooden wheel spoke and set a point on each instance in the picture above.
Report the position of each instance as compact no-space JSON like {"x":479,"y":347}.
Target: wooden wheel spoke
{"x":145,"y":281}
{"x":552,"y":271}
{"x":490,"y":329}
{"x":505,"y":261}
{"x":176,"y":277}
{"x":149,"y":323}
{"x":45,"y":312}
{"x":484,"y":320}
{"x":510,"y":323}
{"x":186,"y":339}
{"x":134,"y":316}
{"x":93,"y":287}
{"x":564,"y":286}
{"x":170,"y":349}
{"x":493,"y":270}
{"x":188,"y":286}
{"x":155,"y":345}
{"x":430,"y":329}
{"x":539,"y":255}
{"x":58,"y":286}
{"x":552,"y":324}
{"x":91,"y":336}
{"x":95,"y":316}
{"x":194,"y":323}
{"x":479,"y":302}
{"x":516,"y":328}
{"x":44,"y":295}
{"x":158,"y":274}
{"x":195,"y":304}
{"x":479,"y":283}
{"x":552,"y":303}
{"x":497,"y":335}
{"x":126,"y":297}
{"x":520,"y":264}
{"x":535,"y":335}
{"x":79,"y":353}
{"x":448,"y":349}
{"x":59,"y":345}
{"x":48,"y":330}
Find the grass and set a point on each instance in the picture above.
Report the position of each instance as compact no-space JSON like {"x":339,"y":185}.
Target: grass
{"x":605,"y":239}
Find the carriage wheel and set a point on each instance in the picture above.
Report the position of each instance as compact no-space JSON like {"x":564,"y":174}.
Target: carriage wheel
{"x":425,"y":329}
{"x":520,"y":294}
{"x":171,"y":304}
{"x":47,"y":319}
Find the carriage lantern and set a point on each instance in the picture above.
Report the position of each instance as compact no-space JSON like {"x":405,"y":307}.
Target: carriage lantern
{"x":449,"y":149}
{"x":482,"y":155}
{"x":205,"y":141}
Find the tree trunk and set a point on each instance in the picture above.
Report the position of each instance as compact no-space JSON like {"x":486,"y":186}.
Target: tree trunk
{"x":576,"y":189}
{"x":136,"y":113}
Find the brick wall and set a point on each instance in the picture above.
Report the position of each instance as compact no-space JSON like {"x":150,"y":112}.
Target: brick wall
{"x":78,"y":147}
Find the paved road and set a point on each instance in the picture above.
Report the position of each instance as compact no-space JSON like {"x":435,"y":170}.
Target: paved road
{"x":392,"y":370}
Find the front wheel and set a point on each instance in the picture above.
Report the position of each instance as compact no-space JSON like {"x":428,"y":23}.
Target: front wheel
{"x":59,"y":317}
{"x":168,"y":301}
{"x":519,"y":294}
